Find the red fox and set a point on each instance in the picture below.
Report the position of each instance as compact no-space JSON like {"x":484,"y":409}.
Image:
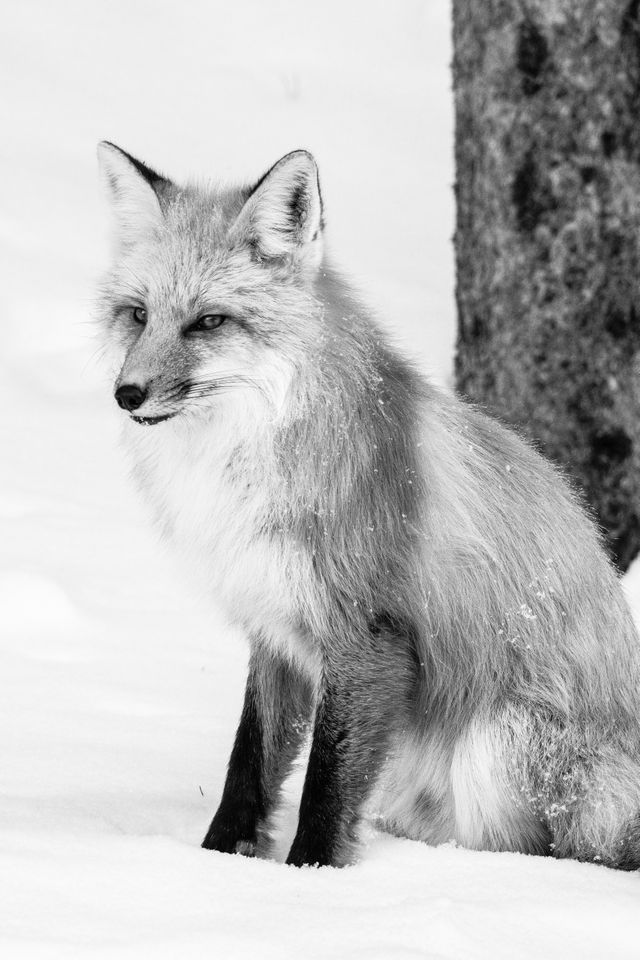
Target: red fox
{"x":422,"y":592}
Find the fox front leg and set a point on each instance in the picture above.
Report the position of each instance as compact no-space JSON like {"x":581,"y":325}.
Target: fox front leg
{"x":277,"y":706}
{"x":363,"y":702}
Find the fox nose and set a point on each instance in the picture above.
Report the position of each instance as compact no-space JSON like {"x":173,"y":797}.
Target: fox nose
{"x":130,"y":396}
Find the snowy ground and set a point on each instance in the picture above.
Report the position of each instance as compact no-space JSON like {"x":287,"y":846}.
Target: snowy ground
{"x":118,"y":696}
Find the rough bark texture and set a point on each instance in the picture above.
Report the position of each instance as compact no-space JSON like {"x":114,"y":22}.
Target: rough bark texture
{"x":547,"y":97}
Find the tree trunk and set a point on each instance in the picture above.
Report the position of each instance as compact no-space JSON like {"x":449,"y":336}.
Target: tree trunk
{"x":547,"y":96}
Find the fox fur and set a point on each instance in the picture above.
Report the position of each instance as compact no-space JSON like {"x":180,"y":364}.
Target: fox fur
{"x":423,"y":593}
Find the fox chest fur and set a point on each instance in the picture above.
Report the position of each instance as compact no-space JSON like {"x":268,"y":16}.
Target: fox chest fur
{"x":214,"y":499}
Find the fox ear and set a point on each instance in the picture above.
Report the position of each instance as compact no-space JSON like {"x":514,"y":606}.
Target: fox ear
{"x":283,"y":213}
{"x":133,"y":190}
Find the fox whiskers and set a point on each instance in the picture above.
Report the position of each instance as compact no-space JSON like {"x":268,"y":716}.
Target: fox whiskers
{"x":202,"y":389}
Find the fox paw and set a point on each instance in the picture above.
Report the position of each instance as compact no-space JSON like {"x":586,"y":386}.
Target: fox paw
{"x":229,"y":839}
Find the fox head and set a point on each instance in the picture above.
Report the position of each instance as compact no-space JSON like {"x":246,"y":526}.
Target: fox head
{"x":210,"y":293}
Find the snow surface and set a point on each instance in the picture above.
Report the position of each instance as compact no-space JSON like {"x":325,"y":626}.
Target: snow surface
{"x":119,"y":694}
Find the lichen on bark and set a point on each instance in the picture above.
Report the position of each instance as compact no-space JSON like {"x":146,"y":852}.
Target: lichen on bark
{"x":547,"y":98}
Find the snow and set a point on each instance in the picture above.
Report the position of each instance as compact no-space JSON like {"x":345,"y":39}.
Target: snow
{"x":119,"y":692}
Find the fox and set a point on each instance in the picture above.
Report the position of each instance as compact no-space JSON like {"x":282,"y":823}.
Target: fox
{"x":428,"y":606}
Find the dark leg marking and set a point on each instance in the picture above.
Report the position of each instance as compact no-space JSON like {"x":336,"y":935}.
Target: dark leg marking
{"x":272,"y":727}
{"x":369,"y":681}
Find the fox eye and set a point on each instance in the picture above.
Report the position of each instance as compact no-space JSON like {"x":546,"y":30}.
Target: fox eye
{"x":139,"y":314}
{"x":210,"y":321}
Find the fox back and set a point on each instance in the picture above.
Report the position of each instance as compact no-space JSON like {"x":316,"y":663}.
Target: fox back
{"x":422,"y":592}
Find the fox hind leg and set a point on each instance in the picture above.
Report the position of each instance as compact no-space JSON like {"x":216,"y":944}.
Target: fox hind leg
{"x":597,"y":818}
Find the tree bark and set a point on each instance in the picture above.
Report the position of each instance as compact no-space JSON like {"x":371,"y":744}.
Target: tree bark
{"x":547,"y":96}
